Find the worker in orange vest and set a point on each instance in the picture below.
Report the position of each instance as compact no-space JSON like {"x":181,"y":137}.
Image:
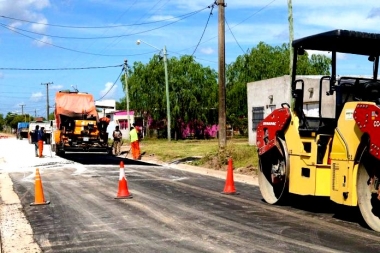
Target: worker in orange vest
{"x":135,"y":146}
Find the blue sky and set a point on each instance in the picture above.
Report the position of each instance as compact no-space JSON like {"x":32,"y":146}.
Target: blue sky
{"x":44,"y":34}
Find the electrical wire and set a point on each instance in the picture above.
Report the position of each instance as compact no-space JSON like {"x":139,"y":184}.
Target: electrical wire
{"x":101,"y":27}
{"x":111,"y":86}
{"x":204,"y":30}
{"x":103,"y":67}
{"x":254,"y":13}
{"x":229,"y":28}
{"x":95,"y":38}
{"x":73,"y":50}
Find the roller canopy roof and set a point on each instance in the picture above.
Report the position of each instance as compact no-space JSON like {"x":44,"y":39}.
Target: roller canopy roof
{"x":343,"y":41}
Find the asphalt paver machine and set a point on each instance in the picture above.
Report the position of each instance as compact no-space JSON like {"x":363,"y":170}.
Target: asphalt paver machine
{"x":336,"y":156}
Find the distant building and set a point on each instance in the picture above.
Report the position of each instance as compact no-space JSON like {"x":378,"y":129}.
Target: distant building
{"x":105,"y":107}
{"x":120,"y":118}
{"x":266,"y":95}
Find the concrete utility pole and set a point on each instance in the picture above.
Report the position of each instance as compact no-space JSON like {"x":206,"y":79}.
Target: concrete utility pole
{"x":222,"y":78}
{"x":291,"y":34}
{"x":47,"y":99}
{"x":138,"y":42}
{"x":35,"y":113}
{"x":167,"y":93}
{"x":127,"y":95}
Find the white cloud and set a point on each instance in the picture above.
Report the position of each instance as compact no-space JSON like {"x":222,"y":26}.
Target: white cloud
{"x":39,"y":27}
{"x":207,"y":50}
{"x":56,"y":87}
{"x":109,"y":91}
{"x":162,"y":17}
{"x":25,"y":10}
{"x":348,"y":20}
{"x":44,"y":41}
{"x":36,"y":96}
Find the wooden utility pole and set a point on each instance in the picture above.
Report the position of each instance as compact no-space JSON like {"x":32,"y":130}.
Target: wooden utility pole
{"x":222,"y":79}
{"x":291,"y":35}
{"x":47,"y":99}
{"x":22,"y":109}
{"x":22,"y":112}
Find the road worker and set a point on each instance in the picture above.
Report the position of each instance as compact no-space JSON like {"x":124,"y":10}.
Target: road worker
{"x":135,"y":146}
{"x":117,"y":139}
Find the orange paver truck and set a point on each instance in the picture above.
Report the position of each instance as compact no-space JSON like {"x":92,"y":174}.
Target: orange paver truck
{"x":78,"y":128}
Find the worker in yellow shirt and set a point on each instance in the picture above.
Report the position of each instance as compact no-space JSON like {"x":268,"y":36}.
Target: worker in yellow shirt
{"x":135,"y":146}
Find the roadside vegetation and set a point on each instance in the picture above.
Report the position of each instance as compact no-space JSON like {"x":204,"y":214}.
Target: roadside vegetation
{"x":193,"y":97}
{"x":203,"y":153}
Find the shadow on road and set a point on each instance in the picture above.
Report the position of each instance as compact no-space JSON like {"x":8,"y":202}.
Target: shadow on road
{"x":323,"y":205}
{"x":99,"y":158}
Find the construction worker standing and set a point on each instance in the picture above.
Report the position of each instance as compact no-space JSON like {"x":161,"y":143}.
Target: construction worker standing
{"x":37,"y":138}
{"x":135,"y":146}
{"x":117,"y":138}
{"x":34,"y":137}
{"x":41,"y":137}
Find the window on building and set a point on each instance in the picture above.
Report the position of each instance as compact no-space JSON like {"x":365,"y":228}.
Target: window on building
{"x":123,"y":124}
{"x":257,"y":116}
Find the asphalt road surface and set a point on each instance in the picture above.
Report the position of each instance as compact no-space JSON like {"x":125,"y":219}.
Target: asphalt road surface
{"x":177,"y":211}
{"x":171,"y":210}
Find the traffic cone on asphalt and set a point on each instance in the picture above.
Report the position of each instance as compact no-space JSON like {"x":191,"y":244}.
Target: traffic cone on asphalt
{"x":229,"y":187}
{"x":39,"y":191}
{"x":123,"y":192}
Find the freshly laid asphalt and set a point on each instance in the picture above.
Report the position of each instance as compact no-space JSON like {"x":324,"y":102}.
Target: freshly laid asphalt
{"x":175,"y":208}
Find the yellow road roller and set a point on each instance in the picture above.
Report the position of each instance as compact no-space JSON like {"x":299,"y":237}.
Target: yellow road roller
{"x":335,"y":152}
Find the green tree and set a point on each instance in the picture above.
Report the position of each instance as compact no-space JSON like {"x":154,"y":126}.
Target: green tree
{"x":192,"y":89}
{"x":13,"y":119}
{"x":2,"y":122}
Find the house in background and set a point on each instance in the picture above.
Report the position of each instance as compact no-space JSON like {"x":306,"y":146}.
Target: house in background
{"x":117,"y":117}
{"x":266,"y":95}
{"x":105,"y":107}
{"x":121,"y":119}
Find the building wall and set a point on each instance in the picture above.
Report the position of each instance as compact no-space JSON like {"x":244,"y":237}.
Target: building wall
{"x":108,"y":103}
{"x":271,"y":93}
{"x":118,"y":116}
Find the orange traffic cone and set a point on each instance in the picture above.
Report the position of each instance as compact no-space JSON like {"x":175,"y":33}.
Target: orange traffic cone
{"x":123,"y":192}
{"x":39,"y":191}
{"x":229,"y":187}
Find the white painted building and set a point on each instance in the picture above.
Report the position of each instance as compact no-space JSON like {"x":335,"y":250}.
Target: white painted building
{"x":266,"y":95}
{"x":106,"y":107}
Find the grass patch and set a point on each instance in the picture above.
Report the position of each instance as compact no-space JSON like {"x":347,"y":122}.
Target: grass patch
{"x":244,"y":156}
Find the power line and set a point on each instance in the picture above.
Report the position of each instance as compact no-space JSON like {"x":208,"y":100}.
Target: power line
{"x":95,"y":38}
{"x":204,"y":30}
{"x":234,"y":25}
{"x":229,"y":28}
{"x":254,"y":13}
{"x":111,"y":86}
{"x":33,"y":69}
{"x":102,"y":27}
{"x":69,"y":49}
